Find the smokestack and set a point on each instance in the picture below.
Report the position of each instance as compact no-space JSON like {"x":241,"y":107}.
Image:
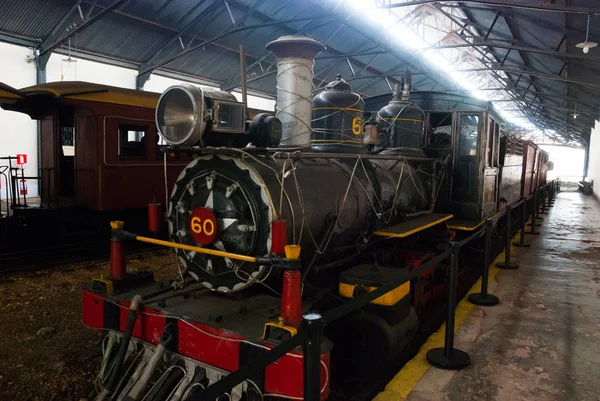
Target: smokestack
{"x":295,"y":61}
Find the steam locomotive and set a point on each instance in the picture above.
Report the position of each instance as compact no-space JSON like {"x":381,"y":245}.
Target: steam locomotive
{"x":283,"y":215}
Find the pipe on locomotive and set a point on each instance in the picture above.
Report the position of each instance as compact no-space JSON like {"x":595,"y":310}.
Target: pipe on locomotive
{"x":295,"y":61}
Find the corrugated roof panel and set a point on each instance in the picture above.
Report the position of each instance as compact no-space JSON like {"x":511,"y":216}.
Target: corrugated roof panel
{"x":144,"y":9}
{"x":140,"y":30}
{"x":177,"y":13}
{"x":32,"y":18}
{"x":129,"y":40}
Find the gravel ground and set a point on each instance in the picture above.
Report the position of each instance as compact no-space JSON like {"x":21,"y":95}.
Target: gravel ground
{"x":45,"y":351}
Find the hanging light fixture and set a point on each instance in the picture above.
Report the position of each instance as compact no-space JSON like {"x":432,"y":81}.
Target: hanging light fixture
{"x":72,"y":60}
{"x":575,"y":112}
{"x":586,"y":46}
{"x":69,"y":61}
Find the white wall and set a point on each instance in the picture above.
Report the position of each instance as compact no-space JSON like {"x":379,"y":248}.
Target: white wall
{"x":158,"y":83}
{"x":89,"y":71}
{"x":18,"y":133}
{"x":594,"y":157}
{"x":568,"y":161}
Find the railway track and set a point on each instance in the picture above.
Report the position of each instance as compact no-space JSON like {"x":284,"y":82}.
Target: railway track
{"x":60,"y":255}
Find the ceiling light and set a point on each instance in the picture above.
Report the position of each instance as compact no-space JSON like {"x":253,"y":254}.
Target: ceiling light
{"x":586,"y":46}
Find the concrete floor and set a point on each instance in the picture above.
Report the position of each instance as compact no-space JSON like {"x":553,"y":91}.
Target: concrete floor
{"x":543,"y":341}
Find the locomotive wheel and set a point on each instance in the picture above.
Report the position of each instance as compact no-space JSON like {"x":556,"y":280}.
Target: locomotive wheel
{"x":234,"y":194}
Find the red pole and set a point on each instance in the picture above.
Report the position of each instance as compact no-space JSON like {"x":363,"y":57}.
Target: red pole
{"x":118,"y":268}
{"x":278,"y":236}
{"x":291,"y":300}
{"x":154,"y":217}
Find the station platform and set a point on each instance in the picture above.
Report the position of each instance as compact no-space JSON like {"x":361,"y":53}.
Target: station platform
{"x":542,"y":342}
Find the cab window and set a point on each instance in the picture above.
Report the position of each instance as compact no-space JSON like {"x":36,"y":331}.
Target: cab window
{"x":439,"y":130}
{"x":469,"y":131}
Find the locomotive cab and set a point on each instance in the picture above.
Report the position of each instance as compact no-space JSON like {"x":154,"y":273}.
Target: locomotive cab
{"x":467,"y":132}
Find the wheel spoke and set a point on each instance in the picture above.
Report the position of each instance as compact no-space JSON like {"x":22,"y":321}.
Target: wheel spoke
{"x":224,"y":223}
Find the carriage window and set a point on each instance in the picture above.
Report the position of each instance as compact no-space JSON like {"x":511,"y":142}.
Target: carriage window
{"x":132,"y":141}
{"x":67,"y":140}
{"x":469,"y":125}
{"x":440,"y":130}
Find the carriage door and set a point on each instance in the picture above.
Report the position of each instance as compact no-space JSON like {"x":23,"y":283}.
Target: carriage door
{"x":466,"y":176}
{"x":490,"y":175}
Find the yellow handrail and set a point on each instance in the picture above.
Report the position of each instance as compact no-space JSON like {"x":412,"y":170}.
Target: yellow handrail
{"x":198,"y":249}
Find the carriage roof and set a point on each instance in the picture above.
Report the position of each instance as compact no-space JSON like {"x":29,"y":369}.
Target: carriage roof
{"x":79,"y":90}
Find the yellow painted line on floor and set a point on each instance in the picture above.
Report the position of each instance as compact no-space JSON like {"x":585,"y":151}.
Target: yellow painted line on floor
{"x":410,"y":374}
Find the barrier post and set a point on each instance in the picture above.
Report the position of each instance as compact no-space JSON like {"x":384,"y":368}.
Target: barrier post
{"x":311,"y":348}
{"x":538,"y":204}
{"x":506,"y":264}
{"x":521,"y":242}
{"x":534,"y":213}
{"x":533,"y":224}
{"x":483,"y":298}
{"x":545,"y":195}
{"x":449,"y":357}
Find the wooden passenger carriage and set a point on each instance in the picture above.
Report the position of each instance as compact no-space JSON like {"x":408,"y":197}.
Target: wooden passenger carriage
{"x":99,"y":148}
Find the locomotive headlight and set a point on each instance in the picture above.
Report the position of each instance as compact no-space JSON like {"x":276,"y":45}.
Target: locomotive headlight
{"x":180,"y":115}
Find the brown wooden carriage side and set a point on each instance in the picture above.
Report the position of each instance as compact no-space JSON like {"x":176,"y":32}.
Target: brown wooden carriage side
{"x":104,"y":173}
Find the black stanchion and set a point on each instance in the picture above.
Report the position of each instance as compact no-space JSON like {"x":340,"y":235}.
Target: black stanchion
{"x":533,"y":216}
{"x":539,"y":199}
{"x":311,"y":348}
{"x":521,"y":242}
{"x":544,"y":198}
{"x":483,"y":298}
{"x":450,"y":357}
{"x":534,"y":213}
{"x":506,"y":264}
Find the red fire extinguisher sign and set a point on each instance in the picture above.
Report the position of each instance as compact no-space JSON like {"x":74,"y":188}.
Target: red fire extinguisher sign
{"x":21,"y":158}
{"x":22,"y":187}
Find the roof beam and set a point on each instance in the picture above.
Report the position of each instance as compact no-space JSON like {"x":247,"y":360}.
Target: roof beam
{"x":228,"y":32}
{"x":60,"y":26}
{"x":524,"y":57}
{"x":491,"y":57}
{"x":116,"y":4}
{"x":210,"y":10}
{"x":231,"y":82}
{"x":555,"y":95}
{"x":491,"y":28}
{"x":505,"y":3}
{"x":478,"y":42}
{"x":531,"y":73}
{"x":546,"y":105}
{"x":540,"y":22}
